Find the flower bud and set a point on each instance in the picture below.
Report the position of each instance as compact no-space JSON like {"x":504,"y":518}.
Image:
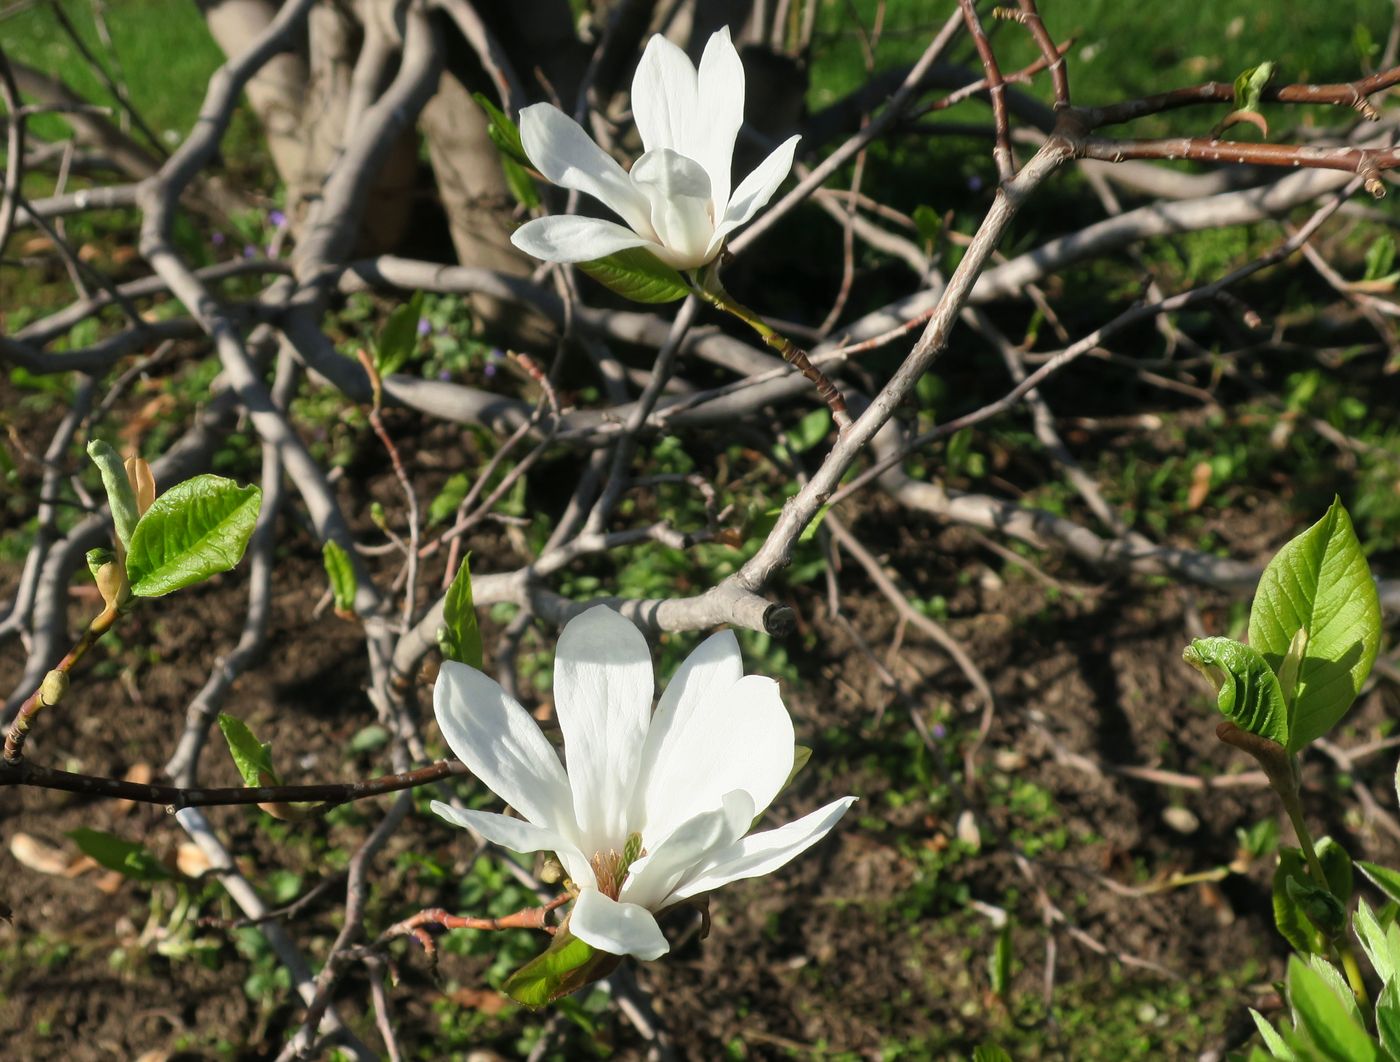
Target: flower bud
{"x":112,"y":584}
{"x":143,"y":483}
{"x":54,"y":686}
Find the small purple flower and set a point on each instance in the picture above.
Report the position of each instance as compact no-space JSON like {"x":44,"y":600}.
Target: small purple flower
{"x":249,"y":251}
{"x":217,"y":239}
{"x":939,"y":731}
{"x":490,"y":369}
{"x":444,"y":375}
{"x":424,"y":326}
{"x":277,"y":218}
{"x":974,"y":183}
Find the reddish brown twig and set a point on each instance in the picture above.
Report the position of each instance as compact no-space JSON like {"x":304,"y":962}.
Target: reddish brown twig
{"x":996,"y":89}
{"x":416,"y":925}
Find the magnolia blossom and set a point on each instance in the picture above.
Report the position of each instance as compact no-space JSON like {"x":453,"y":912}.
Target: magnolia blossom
{"x":674,"y":792}
{"x":676,"y":201}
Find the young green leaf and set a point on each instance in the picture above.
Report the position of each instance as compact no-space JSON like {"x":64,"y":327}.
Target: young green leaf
{"x":989,"y":1053}
{"x":399,"y":337}
{"x":1320,"y":906}
{"x":121,"y":499}
{"x":252,"y":758}
{"x":565,"y":966}
{"x":459,"y":638}
{"x":1375,"y":942}
{"x":1251,"y":84}
{"x":1326,"y":1018}
{"x":1336,"y":864}
{"x":125,"y":857}
{"x":639,"y":275}
{"x":1272,"y":1040}
{"x":342,"y":576}
{"x":520,"y":183}
{"x":504,"y":133}
{"x":999,"y":962}
{"x":1380,"y":257}
{"x":1292,"y":923}
{"x":1388,"y":1018}
{"x":1319,"y":582}
{"x":928,"y":222}
{"x":1383,"y":878}
{"x":1247,"y":690}
{"x":196,"y":529}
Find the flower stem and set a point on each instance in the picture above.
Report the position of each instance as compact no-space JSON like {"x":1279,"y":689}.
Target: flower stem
{"x":710,"y":289}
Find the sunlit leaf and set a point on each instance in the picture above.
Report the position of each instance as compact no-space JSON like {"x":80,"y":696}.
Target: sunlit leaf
{"x":196,"y":529}
{"x":639,"y":275}
{"x":566,"y":966}
{"x":342,"y":576}
{"x":252,"y":757}
{"x":1247,"y":690}
{"x":459,"y":637}
{"x":125,"y":857}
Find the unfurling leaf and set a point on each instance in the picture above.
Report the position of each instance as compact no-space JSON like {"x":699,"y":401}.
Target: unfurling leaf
{"x":342,"y":576}
{"x":1321,"y":907}
{"x":252,"y":758}
{"x":639,"y":275}
{"x":196,"y":529}
{"x":567,"y":965}
{"x":459,"y":638}
{"x":121,"y":499}
{"x":125,"y":857}
{"x":143,"y":483}
{"x":1319,"y":582}
{"x":1247,"y":690}
{"x":1336,"y":865}
{"x":1250,"y":85}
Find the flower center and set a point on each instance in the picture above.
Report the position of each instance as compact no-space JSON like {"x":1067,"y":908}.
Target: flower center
{"x":610,"y":867}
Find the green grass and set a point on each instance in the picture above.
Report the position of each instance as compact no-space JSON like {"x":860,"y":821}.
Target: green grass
{"x":162,"y":46}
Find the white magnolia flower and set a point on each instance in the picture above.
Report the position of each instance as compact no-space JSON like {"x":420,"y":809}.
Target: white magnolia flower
{"x":676,"y":202}
{"x":679,"y":788}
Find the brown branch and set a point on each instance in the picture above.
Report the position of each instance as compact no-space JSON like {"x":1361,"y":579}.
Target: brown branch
{"x":996,"y":89}
{"x":176,"y":797}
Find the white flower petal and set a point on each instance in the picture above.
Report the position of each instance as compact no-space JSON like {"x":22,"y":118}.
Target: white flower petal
{"x":713,"y":666}
{"x":519,"y":836}
{"x":602,"y":695}
{"x":496,"y":738}
{"x":664,"y":96}
{"x":763,"y":853}
{"x":678,"y":190}
{"x":755,"y":190}
{"x":652,"y":877}
{"x":617,"y":928}
{"x":571,"y":238}
{"x":738,"y":737}
{"x":721,"y":93}
{"x":568,"y":157}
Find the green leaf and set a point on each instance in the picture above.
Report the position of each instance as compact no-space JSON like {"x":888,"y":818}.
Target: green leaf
{"x":1335,"y":981}
{"x":810,"y":430}
{"x":1247,"y":690}
{"x":989,"y":1053}
{"x":1272,"y":1039}
{"x":1336,"y":864}
{"x":121,"y":499}
{"x":520,"y":183}
{"x":125,"y":857}
{"x":196,"y":529}
{"x":1375,"y":943}
{"x":1380,"y":257}
{"x":447,"y":499}
{"x":1288,"y":916}
{"x":1319,"y":582}
{"x":639,"y":275}
{"x":1320,"y":906}
{"x":1250,"y":84}
{"x":1325,"y":1018}
{"x":567,"y":965}
{"x":369,"y":738}
{"x":929,"y":224}
{"x":999,"y":962}
{"x":1383,"y":878}
{"x":342,"y":576}
{"x":1388,"y":1017}
{"x":398,"y":339}
{"x":252,"y":758}
{"x":459,"y":637}
{"x":504,"y":133}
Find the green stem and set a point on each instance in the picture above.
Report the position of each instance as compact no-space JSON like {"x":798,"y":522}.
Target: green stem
{"x":708,"y":287}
